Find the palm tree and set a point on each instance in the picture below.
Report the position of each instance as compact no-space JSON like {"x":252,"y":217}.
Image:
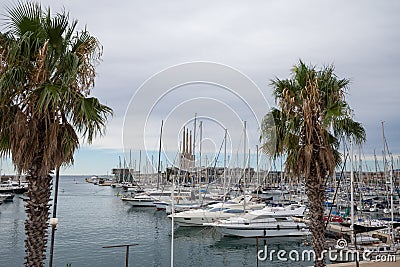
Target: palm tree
{"x":312,"y":117}
{"x":46,"y":73}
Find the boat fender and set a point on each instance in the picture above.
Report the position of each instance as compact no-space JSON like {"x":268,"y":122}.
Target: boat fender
{"x":298,"y":228}
{"x":278,"y":227}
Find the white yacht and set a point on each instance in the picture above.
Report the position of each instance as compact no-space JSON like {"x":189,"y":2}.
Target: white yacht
{"x":267,"y":222}
{"x":198,"y":217}
{"x":140,"y":200}
{"x":146,"y":199}
{"x":154,"y":198}
{"x":216,"y":211}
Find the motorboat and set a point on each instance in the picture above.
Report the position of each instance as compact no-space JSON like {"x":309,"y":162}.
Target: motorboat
{"x":8,"y":197}
{"x":198,"y":217}
{"x":216,"y":211}
{"x":267,"y":222}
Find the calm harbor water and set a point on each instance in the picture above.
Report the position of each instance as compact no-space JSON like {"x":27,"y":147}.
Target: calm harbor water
{"x":91,"y":217}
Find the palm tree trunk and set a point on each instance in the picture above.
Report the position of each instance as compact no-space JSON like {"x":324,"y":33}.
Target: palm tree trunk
{"x":316,"y":196}
{"x":36,"y":224}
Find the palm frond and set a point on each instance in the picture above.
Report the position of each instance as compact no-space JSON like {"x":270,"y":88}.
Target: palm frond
{"x":89,"y":117}
{"x":23,"y":18}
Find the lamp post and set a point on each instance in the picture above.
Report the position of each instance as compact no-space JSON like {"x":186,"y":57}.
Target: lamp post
{"x":54,"y":219}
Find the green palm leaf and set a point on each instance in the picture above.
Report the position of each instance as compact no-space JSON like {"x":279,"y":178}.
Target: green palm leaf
{"x":47,"y":71}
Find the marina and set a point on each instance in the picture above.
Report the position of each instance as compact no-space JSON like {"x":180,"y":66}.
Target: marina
{"x":226,"y":231}
{"x":223,"y":134}
{"x":177,"y":213}
{"x":92,"y":216}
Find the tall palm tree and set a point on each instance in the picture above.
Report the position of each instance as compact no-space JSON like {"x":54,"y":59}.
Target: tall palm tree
{"x":47,"y":70}
{"x":312,"y":117}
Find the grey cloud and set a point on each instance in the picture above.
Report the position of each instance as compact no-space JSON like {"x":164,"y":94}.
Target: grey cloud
{"x":263,"y":39}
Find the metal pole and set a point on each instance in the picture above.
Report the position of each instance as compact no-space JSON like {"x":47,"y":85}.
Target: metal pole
{"x":257,"y":249}
{"x":244,"y":165}
{"x":391,"y":200}
{"x":126,"y":253}
{"x":384,"y":162}
{"x":127,"y":257}
{"x":258,"y":172}
{"x":53,"y":228}
{"x":225,"y":165}
{"x":159,"y":157}
{"x":200,"y":150}
{"x":140,"y":162}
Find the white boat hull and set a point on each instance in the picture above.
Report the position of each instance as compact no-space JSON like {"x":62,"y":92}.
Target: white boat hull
{"x":262,"y":232}
{"x":139,"y":201}
{"x":142,"y":203}
{"x":199,"y":219}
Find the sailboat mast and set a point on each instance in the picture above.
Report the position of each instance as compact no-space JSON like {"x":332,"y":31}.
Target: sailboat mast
{"x":244,"y":164}
{"x":248,"y":169}
{"x":391,"y":197}
{"x":159,"y":157}
{"x":391,"y":179}
{"x":140,"y":162}
{"x":351,"y":186}
{"x":200,"y":148}
{"x":225,"y":164}
{"x":384,"y":158}
{"x":258,"y":171}
{"x":361,"y":181}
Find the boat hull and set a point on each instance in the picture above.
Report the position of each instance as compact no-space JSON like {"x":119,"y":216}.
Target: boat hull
{"x":199,"y":220}
{"x":262,"y":232}
{"x":141,"y":203}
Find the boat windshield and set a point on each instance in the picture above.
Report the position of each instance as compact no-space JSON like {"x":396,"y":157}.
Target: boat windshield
{"x":234,"y":211}
{"x":217,"y":209}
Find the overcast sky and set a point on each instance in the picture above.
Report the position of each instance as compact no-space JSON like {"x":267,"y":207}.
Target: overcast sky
{"x":255,"y":40}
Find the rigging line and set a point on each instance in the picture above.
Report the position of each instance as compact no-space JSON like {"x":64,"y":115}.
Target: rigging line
{"x":239,"y":145}
{"x":215,"y":164}
{"x":337,"y":187}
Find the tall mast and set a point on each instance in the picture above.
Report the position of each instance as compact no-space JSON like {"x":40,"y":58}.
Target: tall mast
{"x":159,"y":157}
{"x":200,"y":147}
{"x":351,"y":187}
{"x":248,"y":169}
{"x":376,"y":170}
{"x":152,"y":168}
{"x":384,"y":156}
{"x":225,"y":164}
{"x":391,"y":196}
{"x":140,"y":162}
{"x":361,"y":181}
{"x":244,"y":164}
{"x":391,"y":179}
{"x":258,"y":171}
{"x":120,"y":179}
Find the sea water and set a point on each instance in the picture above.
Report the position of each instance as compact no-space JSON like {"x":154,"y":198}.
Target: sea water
{"x":91,"y":217}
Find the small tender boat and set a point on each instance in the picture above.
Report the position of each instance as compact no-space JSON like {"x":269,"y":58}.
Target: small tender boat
{"x":7,"y":197}
{"x":13,"y":187}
